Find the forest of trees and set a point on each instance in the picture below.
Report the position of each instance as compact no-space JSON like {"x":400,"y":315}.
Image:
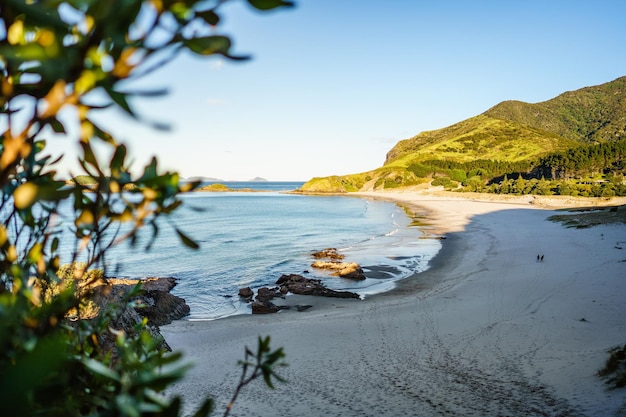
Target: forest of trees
{"x":595,"y":170}
{"x":604,"y":159}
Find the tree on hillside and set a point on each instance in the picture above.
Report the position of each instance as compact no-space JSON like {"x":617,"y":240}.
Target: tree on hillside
{"x":60,"y":63}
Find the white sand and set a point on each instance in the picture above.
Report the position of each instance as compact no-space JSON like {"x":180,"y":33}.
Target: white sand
{"x":487,"y":331}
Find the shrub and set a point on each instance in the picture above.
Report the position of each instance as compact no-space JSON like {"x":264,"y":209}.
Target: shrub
{"x":421,"y":171}
{"x":458,"y":175}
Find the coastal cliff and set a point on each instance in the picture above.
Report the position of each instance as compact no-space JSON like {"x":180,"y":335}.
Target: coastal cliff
{"x":154,"y":303}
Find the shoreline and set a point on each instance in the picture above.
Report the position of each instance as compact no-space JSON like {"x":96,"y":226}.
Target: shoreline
{"x":426,"y":205}
{"x":486,"y":330}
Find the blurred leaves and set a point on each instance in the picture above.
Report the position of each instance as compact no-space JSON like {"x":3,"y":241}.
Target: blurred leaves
{"x":61,"y":62}
{"x":263,"y":364}
{"x":210,"y":45}
{"x":270,"y":4}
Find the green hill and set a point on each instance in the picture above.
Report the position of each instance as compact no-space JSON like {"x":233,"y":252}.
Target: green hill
{"x":511,"y":138}
{"x":590,"y":115}
{"x":480,"y":137}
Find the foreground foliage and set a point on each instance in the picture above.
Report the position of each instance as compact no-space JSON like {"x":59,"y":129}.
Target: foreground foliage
{"x":61,"y":62}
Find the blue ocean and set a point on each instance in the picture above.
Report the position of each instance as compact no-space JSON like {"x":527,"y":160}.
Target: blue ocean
{"x":252,"y":238}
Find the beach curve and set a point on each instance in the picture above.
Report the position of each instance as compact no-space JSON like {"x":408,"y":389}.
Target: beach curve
{"x":488,"y":330}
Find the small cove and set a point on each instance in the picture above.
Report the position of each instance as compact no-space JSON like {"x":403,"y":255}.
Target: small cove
{"x":252,"y":238}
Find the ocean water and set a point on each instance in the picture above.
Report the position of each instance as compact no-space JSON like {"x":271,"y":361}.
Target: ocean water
{"x":252,"y":238}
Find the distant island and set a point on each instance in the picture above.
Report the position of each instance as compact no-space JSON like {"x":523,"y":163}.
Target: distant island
{"x":222,"y":188}
{"x":258,"y":179}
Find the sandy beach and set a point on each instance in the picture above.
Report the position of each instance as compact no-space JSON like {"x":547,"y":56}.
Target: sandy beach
{"x":487,"y":330}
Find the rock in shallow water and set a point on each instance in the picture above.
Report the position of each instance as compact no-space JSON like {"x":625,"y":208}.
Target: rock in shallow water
{"x":297,"y":284}
{"x":348,"y":270}
{"x":291,"y":283}
{"x":246,"y":294}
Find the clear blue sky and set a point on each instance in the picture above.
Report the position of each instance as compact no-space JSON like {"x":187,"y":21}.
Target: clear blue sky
{"x":334,"y":84}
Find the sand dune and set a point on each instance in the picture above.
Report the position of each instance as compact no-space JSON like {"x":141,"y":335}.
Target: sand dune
{"x":487,"y":331}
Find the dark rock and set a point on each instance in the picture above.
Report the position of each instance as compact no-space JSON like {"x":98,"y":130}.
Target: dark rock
{"x":266,"y":294}
{"x":162,"y":308}
{"x":127,"y":320}
{"x":246,"y":293}
{"x":155,"y":303}
{"x":264,"y":307}
{"x":154,"y":284}
{"x":328,"y":253}
{"x":297,"y":284}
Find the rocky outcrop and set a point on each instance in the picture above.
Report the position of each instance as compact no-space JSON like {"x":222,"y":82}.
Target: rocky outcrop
{"x":330,"y":259}
{"x":328,"y":253}
{"x":246,"y":294}
{"x":297,"y":284}
{"x":348,"y":270}
{"x":155,"y":303}
{"x":294,"y":284}
{"x":162,"y":308}
{"x":266,"y":307}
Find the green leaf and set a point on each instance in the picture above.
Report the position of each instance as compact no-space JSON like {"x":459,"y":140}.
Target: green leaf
{"x":187,"y":241}
{"x":40,"y":145}
{"x":120,"y":100}
{"x":155,"y":233}
{"x":117,"y":161}
{"x":209,"y":16}
{"x":148,"y":93}
{"x":162,"y":126}
{"x":57,"y":126}
{"x":264,"y":344}
{"x":127,"y":405}
{"x":170,"y":208}
{"x":28,"y":371}
{"x":21,"y":53}
{"x":150,"y":172}
{"x":209,"y":45}
{"x":40,"y":16}
{"x":270,"y":4}
{"x":100,"y":369}
{"x":267,"y":377}
{"x":89,"y":157}
{"x":205,"y":409}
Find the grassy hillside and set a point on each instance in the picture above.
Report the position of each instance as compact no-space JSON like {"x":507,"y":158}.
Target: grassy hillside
{"x":510,"y":134}
{"x":480,"y":137}
{"x":591,"y":114}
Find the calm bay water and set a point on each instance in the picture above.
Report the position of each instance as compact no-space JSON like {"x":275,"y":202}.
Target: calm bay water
{"x":252,"y":238}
